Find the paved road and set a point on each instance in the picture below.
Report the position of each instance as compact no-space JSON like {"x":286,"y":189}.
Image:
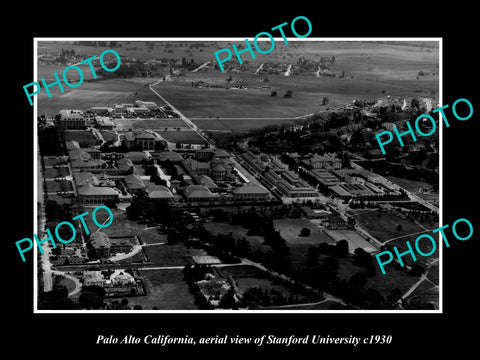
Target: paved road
{"x":40,"y":221}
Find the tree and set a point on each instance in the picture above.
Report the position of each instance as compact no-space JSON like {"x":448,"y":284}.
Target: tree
{"x":325,"y":100}
{"x":243,"y":247}
{"x":57,"y":251}
{"x":220,"y":215}
{"x":331,"y":263}
{"x":305,"y":232}
{"x":227,"y":301}
{"x":89,"y":300}
{"x":313,"y":252}
{"x":111,"y":203}
{"x":341,"y":248}
{"x":362,"y":258}
{"x":399,"y":227}
{"x":273,"y":93}
{"x":416,"y":270}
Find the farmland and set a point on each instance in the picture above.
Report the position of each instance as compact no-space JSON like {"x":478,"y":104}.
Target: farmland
{"x":87,"y":95}
{"x":238,"y":124}
{"x":307,"y":95}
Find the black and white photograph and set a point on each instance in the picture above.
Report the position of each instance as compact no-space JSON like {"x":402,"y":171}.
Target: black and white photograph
{"x":236,"y":179}
{"x":260,"y":187}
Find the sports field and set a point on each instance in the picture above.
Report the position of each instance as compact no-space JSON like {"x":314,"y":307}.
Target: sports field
{"x":290,"y":231}
{"x":353,"y":238}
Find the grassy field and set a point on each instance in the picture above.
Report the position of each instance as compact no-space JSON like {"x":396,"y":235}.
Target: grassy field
{"x":249,"y":277}
{"x":307,"y":96}
{"x":84,"y":137}
{"x":290,"y":231}
{"x":143,"y":124}
{"x":385,"y":227}
{"x":171,"y":255}
{"x":166,"y":290}
{"x":87,"y":95}
{"x":183,"y":137}
{"x":238,"y":124}
{"x":377,"y":70}
{"x":63,"y":281}
{"x":58,"y":172}
{"x":355,"y":240}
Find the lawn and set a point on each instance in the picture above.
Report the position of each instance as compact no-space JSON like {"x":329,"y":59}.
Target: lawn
{"x":171,"y":254}
{"x":153,"y":124}
{"x":183,"y":137}
{"x":109,"y":135}
{"x":51,"y":173}
{"x":120,"y":225}
{"x":290,"y":231}
{"x":166,"y":290}
{"x":87,"y":95}
{"x":386,"y":227}
{"x":54,"y":161}
{"x":54,"y":186}
{"x":83,"y":137}
{"x":355,"y":240}
{"x":243,"y":271}
{"x":249,"y":277}
{"x":59,"y":280}
{"x":239,"y":124}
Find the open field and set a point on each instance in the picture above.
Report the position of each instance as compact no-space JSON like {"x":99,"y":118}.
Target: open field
{"x":59,"y":280}
{"x":166,"y":290}
{"x":385,"y":227}
{"x":183,"y":137}
{"x":354,"y":239}
{"x":376,"y":69}
{"x":51,"y":173}
{"x":172,"y":255}
{"x":249,"y":277}
{"x":87,"y":95}
{"x":120,"y":225}
{"x":307,"y":96}
{"x":152,"y":124}
{"x":84,"y":137}
{"x":238,"y":124}
{"x":290,"y":231}
{"x":415,"y":186}
{"x":64,"y":185}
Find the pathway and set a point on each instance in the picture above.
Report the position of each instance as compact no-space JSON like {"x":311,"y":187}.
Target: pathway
{"x":421,"y":280}
{"x":201,"y":66}
{"x":289,"y":70}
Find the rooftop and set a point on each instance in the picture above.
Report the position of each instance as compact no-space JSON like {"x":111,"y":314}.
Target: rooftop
{"x":134,"y":181}
{"x":198,"y":191}
{"x":95,"y":190}
{"x":159,"y":192}
{"x":251,"y":189}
